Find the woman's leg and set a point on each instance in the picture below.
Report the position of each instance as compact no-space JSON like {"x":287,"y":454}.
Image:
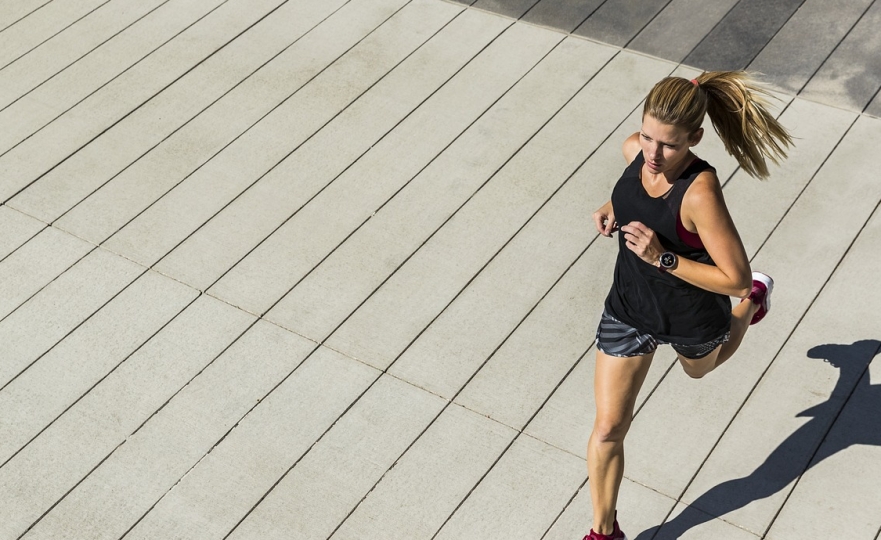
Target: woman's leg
{"x":741,"y":315}
{"x":616,"y":384}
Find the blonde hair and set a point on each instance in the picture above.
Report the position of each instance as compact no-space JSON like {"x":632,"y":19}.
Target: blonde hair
{"x":737,"y":108}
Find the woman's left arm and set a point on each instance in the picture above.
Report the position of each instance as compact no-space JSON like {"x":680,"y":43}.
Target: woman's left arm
{"x":704,"y":207}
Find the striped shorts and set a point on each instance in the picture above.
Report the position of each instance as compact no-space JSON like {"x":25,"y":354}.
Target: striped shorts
{"x":616,"y":338}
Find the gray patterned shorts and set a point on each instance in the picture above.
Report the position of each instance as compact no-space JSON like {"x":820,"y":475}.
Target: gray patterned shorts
{"x":616,"y":338}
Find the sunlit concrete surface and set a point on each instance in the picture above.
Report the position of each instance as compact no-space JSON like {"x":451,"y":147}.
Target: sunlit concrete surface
{"x":313,"y":269}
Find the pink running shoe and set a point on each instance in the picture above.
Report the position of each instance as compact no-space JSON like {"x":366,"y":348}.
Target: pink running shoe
{"x":761,"y":295}
{"x":616,"y":534}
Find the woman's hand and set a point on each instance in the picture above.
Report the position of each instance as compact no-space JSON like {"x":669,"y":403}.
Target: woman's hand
{"x":604,"y":219}
{"x":643,"y":241}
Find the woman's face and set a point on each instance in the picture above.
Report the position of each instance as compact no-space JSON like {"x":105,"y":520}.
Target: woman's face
{"x":664,"y":146}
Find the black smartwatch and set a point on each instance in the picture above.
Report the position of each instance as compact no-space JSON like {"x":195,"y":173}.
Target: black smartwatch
{"x":667,"y":261}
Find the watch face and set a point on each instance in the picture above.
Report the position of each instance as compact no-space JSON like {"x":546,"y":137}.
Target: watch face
{"x":668,"y":260}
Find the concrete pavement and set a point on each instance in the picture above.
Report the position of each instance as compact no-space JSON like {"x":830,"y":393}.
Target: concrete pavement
{"x":324,"y":269}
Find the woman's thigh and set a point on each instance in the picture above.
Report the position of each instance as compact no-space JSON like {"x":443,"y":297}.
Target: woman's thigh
{"x":617,"y":382}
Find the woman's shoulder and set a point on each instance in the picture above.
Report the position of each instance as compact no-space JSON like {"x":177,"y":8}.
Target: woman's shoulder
{"x":704,"y":192}
{"x":705,"y":181}
{"x":631,"y":148}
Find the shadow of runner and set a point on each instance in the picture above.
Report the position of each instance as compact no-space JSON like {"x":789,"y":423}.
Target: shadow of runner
{"x":783,"y":465}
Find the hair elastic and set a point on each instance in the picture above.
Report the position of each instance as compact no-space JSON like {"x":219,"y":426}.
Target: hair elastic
{"x":694,"y":82}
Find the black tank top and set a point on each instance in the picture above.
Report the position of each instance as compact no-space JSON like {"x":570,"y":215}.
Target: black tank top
{"x":643,"y":297}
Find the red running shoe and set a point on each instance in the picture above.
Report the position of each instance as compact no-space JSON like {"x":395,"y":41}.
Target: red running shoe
{"x":761,"y":295}
{"x":616,"y":534}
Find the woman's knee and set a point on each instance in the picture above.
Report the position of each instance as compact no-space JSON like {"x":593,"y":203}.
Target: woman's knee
{"x":610,"y":429}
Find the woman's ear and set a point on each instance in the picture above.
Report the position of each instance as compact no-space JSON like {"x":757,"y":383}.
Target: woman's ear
{"x":696,"y":137}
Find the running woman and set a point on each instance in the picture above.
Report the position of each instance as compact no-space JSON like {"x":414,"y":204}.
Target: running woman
{"x":680,"y":257}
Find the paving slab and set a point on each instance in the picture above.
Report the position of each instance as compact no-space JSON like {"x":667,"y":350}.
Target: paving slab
{"x":874,"y":108}
{"x":851,"y":76}
{"x":441,"y":255}
{"x":41,"y":322}
{"x":529,"y":470}
{"x":804,"y":43}
{"x":451,"y":457}
{"x":12,"y":11}
{"x":66,"y":47}
{"x":618,"y":21}
{"x":566,"y":15}
{"x":177,"y":130}
{"x":70,"y":370}
{"x":710,"y":528}
{"x":272,"y":268}
{"x":17,"y":229}
{"x":36,"y":263}
{"x":514,"y":382}
{"x":842,"y":482}
{"x":508,"y":8}
{"x":666,"y":37}
{"x":389,"y":320}
{"x":348,"y":201}
{"x":741,"y":34}
{"x":565,"y":421}
{"x":233,"y":477}
{"x":817,"y":130}
{"x":35,"y":23}
{"x":463,"y":342}
{"x":129,"y":70}
{"x":422,"y":206}
{"x":640,"y":509}
{"x":320,"y":491}
{"x":710,"y":403}
{"x":783,"y":422}
{"x":103,"y":65}
{"x":163,"y":226}
{"x":791,"y":38}
{"x":60,"y":457}
{"x":137,"y":187}
{"x":131,"y":480}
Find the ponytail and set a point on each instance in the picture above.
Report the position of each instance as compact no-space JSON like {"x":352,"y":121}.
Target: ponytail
{"x":737,"y":108}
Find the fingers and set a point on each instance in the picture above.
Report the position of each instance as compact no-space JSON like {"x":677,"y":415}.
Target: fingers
{"x":599,"y":223}
{"x":605,"y":224}
{"x":638,"y":232}
{"x":611,"y":226}
{"x":633,"y":234}
{"x":636,"y":228}
{"x":604,"y":219}
{"x":641,"y":240}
